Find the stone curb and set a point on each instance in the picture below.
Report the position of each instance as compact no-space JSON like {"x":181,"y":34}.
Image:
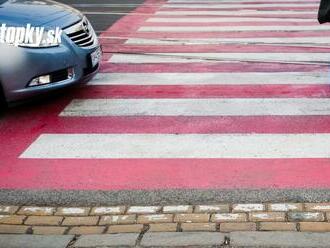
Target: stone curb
{"x":222,"y":217}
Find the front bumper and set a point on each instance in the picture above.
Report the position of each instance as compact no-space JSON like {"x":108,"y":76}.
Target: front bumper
{"x":27,"y":63}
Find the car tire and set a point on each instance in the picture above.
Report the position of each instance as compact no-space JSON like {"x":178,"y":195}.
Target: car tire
{"x":3,"y":103}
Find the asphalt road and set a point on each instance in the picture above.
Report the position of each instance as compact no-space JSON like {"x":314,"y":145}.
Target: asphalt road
{"x":102,"y":21}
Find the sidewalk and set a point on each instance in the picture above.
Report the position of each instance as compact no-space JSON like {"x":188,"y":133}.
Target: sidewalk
{"x":167,"y":239}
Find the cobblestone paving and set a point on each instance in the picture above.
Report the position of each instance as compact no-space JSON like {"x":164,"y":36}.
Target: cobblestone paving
{"x":297,"y":217}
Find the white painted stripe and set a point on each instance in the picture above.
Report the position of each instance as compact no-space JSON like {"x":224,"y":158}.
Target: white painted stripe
{"x":227,"y":19}
{"x":235,"y":13}
{"x":238,"y":6}
{"x":199,"y":107}
{"x":125,"y":146}
{"x":215,"y":41}
{"x":222,"y":57}
{"x":237,"y":1}
{"x":231,"y":28}
{"x":242,"y":78}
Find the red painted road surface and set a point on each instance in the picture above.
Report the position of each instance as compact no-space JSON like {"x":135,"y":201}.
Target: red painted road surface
{"x":21,"y":127}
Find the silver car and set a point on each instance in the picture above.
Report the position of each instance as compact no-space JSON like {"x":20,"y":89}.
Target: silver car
{"x":27,"y":70}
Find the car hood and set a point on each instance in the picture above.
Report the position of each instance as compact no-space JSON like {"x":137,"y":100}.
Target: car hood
{"x":37,"y":13}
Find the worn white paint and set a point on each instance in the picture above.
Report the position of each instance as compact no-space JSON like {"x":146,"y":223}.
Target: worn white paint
{"x":226,"y":217}
{"x":5,"y":209}
{"x":209,"y":208}
{"x":143,"y":210}
{"x":248,"y":207}
{"x":226,"y":19}
{"x":198,"y":107}
{"x":156,"y":217}
{"x":73,"y":211}
{"x":231,"y":28}
{"x":261,"y":216}
{"x":233,"y":78}
{"x":177,"y":209}
{"x":267,"y":216}
{"x":234,"y":13}
{"x":311,"y":41}
{"x":115,"y":218}
{"x":283,"y":207}
{"x":312,"y":216}
{"x":238,"y":6}
{"x":48,"y":210}
{"x":124,"y":146}
{"x":220,"y":57}
{"x":321,"y":207}
{"x":235,"y":1}
{"x":107,"y":210}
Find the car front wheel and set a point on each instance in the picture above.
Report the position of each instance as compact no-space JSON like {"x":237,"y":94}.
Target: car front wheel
{"x":3,"y":103}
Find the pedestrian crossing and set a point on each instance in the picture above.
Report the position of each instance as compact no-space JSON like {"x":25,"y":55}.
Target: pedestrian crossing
{"x":241,"y":21}
{"x":312,"y":41}
{"x":288,"y":13}
{"x":219,"y":83}
{"x":138,"y":146}
{"x":219,"y":57}
{"x":234,"y":6}
{"x":215,"y":78}
{"x":198,"y":107}
{"x":242,"y":1}
{"x":232,"y":28}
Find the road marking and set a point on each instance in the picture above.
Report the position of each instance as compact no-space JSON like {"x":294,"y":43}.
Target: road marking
{"x":122,"y":174}
{"x":234,"y":34}
{"x":215,"y":41}
{"x":241,"y":78}
{"x":113,"y":5}
{"x":237,"y":6}
{"x":199,"y":107}
{"x":220,"y":48}
{"x":228,"y":19}
{"x":124,"y":146}
{"x":234,"y":13}
{"x":198,"y":5}
{"x":230,"y":28}
{"x":216,"y":57}
{"x":239,"y":1}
